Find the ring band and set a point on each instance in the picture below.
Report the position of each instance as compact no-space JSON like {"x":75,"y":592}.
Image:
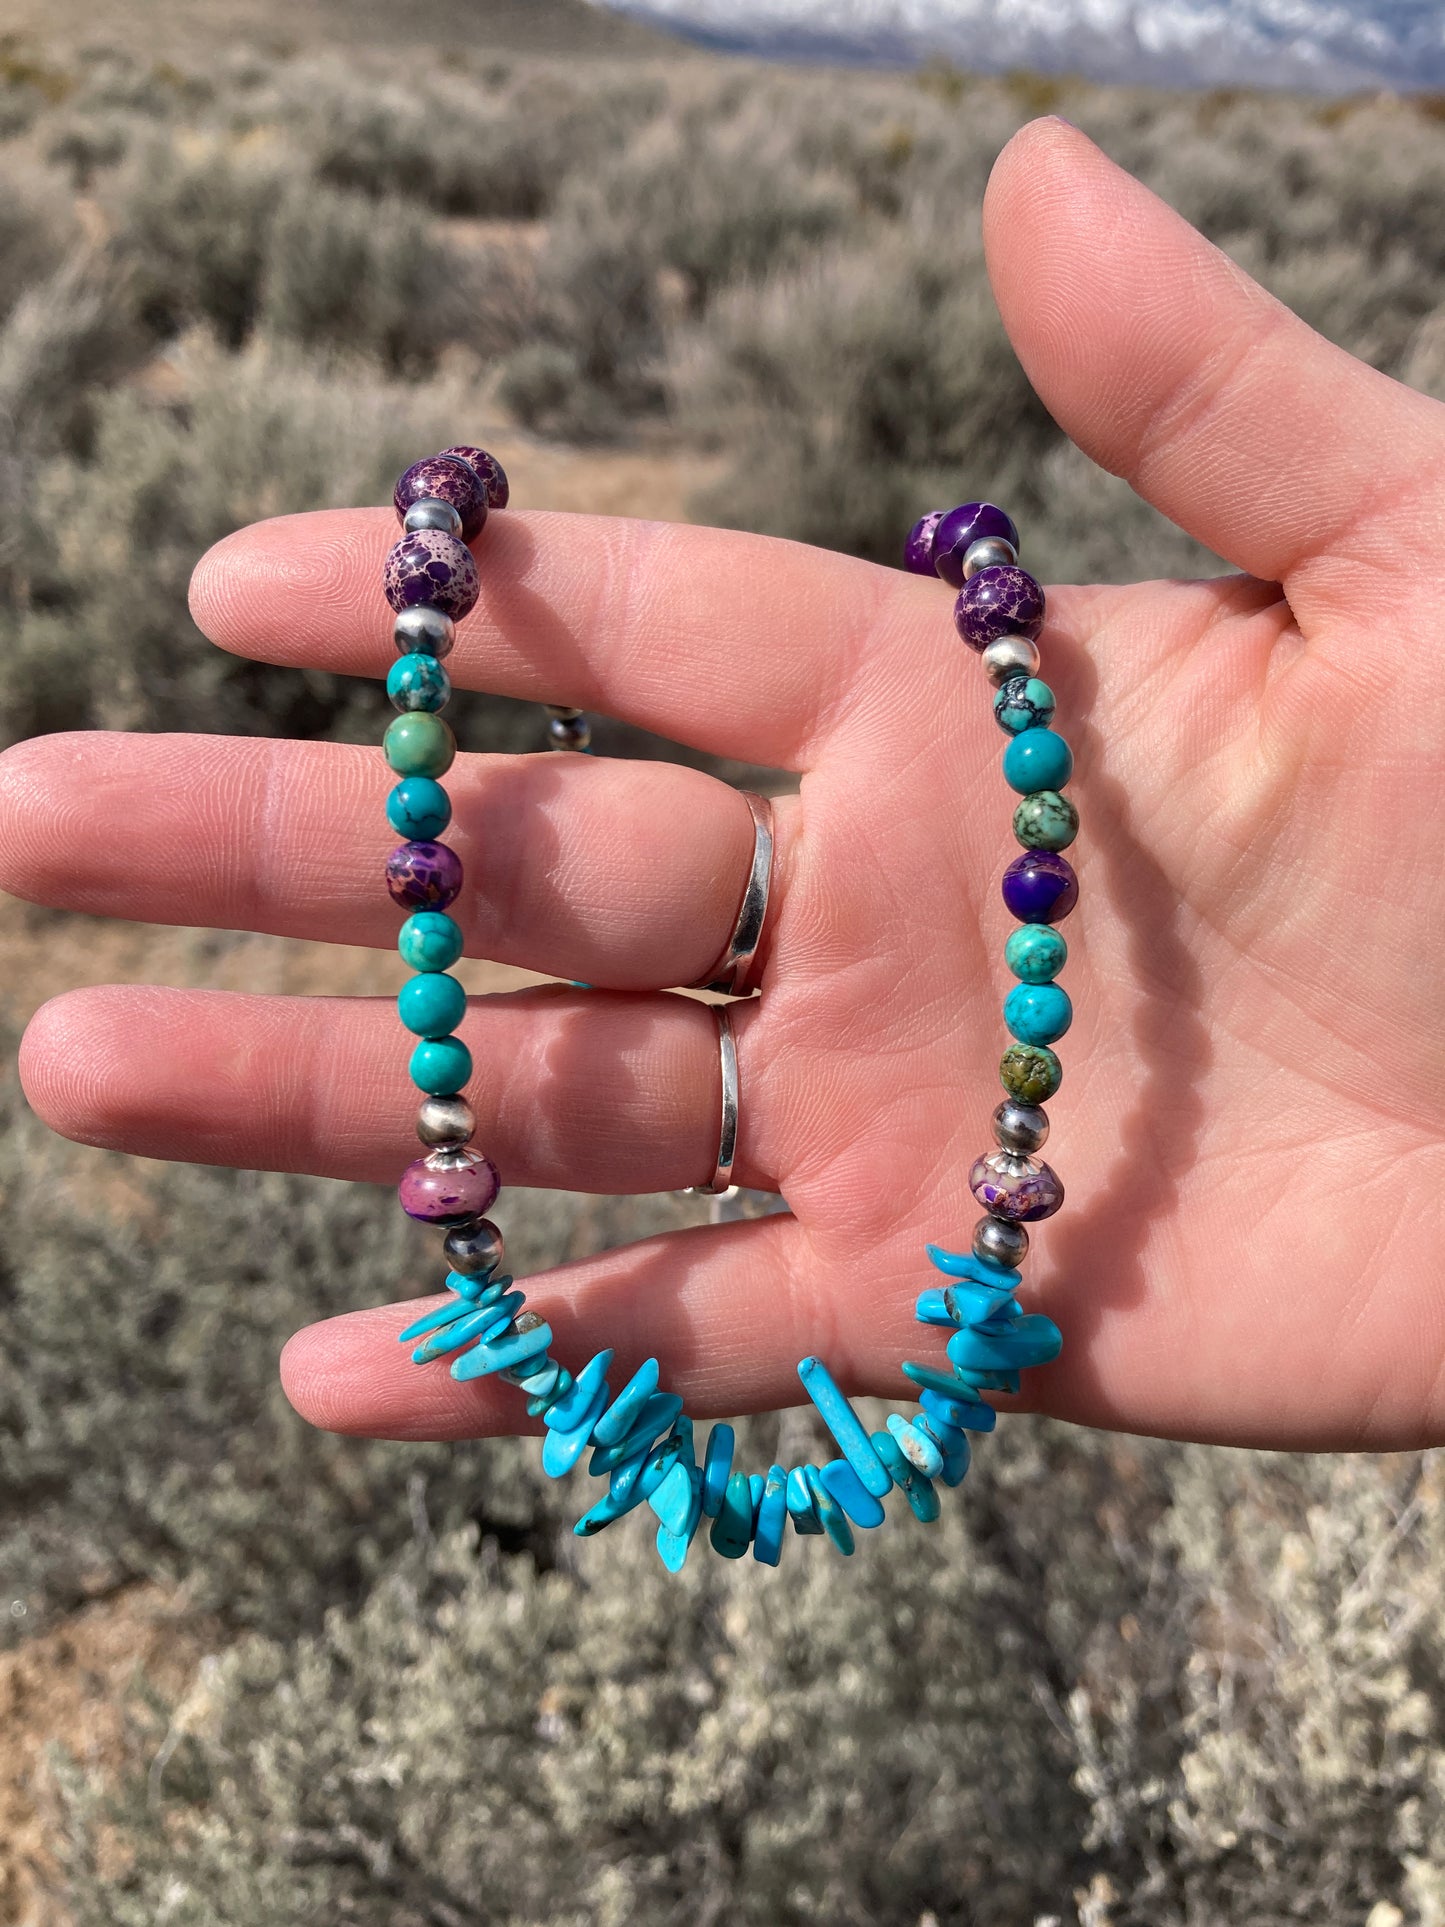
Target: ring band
{"x":729,"y":974}
{"x":727,"y":1147}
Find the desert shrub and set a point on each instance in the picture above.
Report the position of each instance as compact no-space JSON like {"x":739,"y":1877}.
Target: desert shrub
{"x":86,"y":143}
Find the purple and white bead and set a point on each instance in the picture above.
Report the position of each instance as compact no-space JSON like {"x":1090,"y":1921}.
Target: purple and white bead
{"x":918,"y":549}
{"x":1015,"y":1187}
{"x":998,"y":602}
{"x":488,"y":471}
{"x":958,"y":530}
{"x":424,"y":876}
{"x":449,"y":1187}
{"x":429,"y":566}
{"x":444,"y":478}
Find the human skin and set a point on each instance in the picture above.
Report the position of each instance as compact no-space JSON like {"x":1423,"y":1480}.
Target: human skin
{"x":1251,"y":1126}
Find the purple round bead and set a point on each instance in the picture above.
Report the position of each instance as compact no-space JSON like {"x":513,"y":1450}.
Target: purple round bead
{"x":1040,"y":887}
{"x":452,"y":1195}
{"x":960,"y":528}
{"x":918,"y":549}
{"x":1019,"y":1194}
{"x":435,"y":568}
{"x":998,"y":602}
{"x":489,"y":472}
{"x":423,"y":876}
{"x":444,"y":478}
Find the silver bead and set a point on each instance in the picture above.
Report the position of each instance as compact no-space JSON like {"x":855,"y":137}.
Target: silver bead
{"x":423,"y":630}
{"x":453,"y":1157}
{"x":432,"y":513}
{"x":445,"y":1120}
{"x":562,"y":713}
{"x":1010,"y":656}
{"x":569,"y":732}
{"x":990,"y":553}
{"x":1020,"y":1127}
{"x":475,"y":1249}
{"x":1000,"y":1241}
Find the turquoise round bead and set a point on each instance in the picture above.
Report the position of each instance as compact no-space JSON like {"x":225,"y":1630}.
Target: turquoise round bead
{"x":429,"y":940}
{"x":1035,"y":953}
{"x":418,"y":809}
{"x":1037,"y":1013}
{"x":440,"y":1066}
{"x":1024,"y":702}
{"x":418,"y":682}
{"x":1037,"y":759}
{"x":431,"y":1004}
{"x":419,"y":744}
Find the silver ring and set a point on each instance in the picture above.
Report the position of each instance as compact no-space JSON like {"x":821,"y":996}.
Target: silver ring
{"x":727,"y":1147}
{"x":729,"y":974}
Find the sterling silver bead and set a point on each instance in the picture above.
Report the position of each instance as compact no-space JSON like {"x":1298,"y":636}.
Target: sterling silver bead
{"x":1000,"y":1241}
{"x":432,"y":513}
{"x":1020,"y":1127}
{"x":1010,"y":656}
{"x":445,"y":1121}
{"x":992,"y":552}
{"x":563,"y":713}
{"x":425,"y":631}
{"x":569,"y":732}
{"x":475,"y":1249}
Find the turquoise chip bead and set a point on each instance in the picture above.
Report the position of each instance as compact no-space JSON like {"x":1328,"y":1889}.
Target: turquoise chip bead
{"x":626,"y":1408}
{"x":1031,"y":1340}
{"x":655,"y":1418}
{"x":431,"y":1004}
{"x":919,"y":1450}
{"x":961,"y":1304}
{"x":922,"y":1497}
{"x":480,"y":1325}
{"x":1037,"y":759}
{"x":842,"y":1421}
{"x":442,"y":1314}
{"x":565,"y":1411}
{"x":1036,"y":953}
{"x":801,"y":1510}
{"x":672,"y":1548}
{"x":848,"y":1489}
{"x":717,"y":1465}
{"x":440,"y":1065}
{"x":975,"y":1415}
{"x":960,"y":1413}
{"x":1038,"y":1013}
{"x":430,"y":940}
{"x":672,"y":1501}
{"x":756,"y":1482}
{"x":503,"y":1353}
{"x":418,"y":809}
{"x":772,"y":1518}
{"x":831,"y":1515}
{"x":732,"y":1529}
{"x":564,"y":1446}
{"x":967,"y":1264}
{"x":418,"y":682}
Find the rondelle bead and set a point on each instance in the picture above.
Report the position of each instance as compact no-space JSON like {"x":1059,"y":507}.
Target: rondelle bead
{"x":991,"y":553}
{"x":449,"y":1187}
{"x":1000,"y":1241}
{"x":1022,"y":703}
{"x":1038,"y":1013}
{"x":1037,"y":759}
{"x":1030,"y":1072}
{"x":425,"y":629}
{"x":418,"y":809}
{"x":1023,"y":1128}
{"x":423,"y":876}
{"x":444,"y":478}
{"x":440,"y":1065}
{"x":569,"y":732}
{"x":488,"y":471}
{"x":1036,"y":953}
{"x":445,"y":1121}
{"x":429,"y":513}
{"x":432,"y":1004}
{"x":1039,"y":886}
{"x":420,"y":744}
{"x":1015,"y":1187}
{"x":1046,"y":820}
{"x":918,"y":549}
{"x":476,"y":1249}
{"x":1008,"y":657}
{"x":430,"y":940}
{"x":998,"y":602}
{"x":432,"y":568}
{"x":960,"y":528}
{"x":418,"y":681}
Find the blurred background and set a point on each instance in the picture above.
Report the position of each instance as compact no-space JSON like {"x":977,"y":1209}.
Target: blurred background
{"x":251,"y":1674}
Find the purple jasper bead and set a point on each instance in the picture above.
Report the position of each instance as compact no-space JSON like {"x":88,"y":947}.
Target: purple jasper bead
{"x":423,"y":876}
{"x":998,"y":602}
{"x":1040,"y":887}
{"x":918,"y":549}
{"x":444,"y":478}
{"x":489,"y":472}
{"x":460,"y":1187}
{"x":435,"y":568}
{"x":1016,"y":1188}
{"x":960,"y":528}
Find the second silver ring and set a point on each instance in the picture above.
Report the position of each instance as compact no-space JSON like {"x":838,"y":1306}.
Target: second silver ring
{"x":727,"y":1148}
{"x":730,"y":974}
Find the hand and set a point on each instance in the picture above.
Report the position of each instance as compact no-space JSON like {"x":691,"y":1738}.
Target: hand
{"x":1250,"y":1127}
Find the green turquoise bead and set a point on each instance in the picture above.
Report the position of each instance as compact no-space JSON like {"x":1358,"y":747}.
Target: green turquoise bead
{"x":420,"y":744}
{"x":1037,"y":759}
{"x":1046,"y":821}
{"x":1038,"y":1013}
{"x":429,"y":940}
{"x":1035,"y":953}
{"x":418,"y":809}
{"x":440,"y":1066}
{"x":1024,"y":702}
{"x":432,"y":1004}
{"x":418,"y":682}
{"x":1030,"y":1072}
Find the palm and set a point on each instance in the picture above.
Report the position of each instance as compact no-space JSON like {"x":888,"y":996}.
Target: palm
{"x":1250,"y":1126}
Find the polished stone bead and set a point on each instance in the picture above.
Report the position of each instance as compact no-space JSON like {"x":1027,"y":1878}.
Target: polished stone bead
{"x":629,"y":1478}
{"x":1039,"y":886}
{"x":717,"y":1465}
{"x":997,"y":1239}
{"x":975,"y":1266}
{"x":430,"y":940}
{"x":756,"y":1482}
{"x":475,"y":1250}
{"x":919,"y":1450}
{"x":450,"y":1192}
{"x":418,"y":682}
{"x":672,"y":1547}
{"x":998,"y":602}
{"x":542,"y":1382}
{"x":1037,"y":1014}
{"x":961,"y":1304}
{"x":488,"y":471}
{"x":419,"y":744}
{"x":848,"y":1489}
{"x":801,"y":1510}
{"x":431,"y":1004}
{"x":1023,"y":703}
{"x":423,"y":876}
{"x":418,"y":809}
{"x":505,"y":1353}
{"x":772,"y":1518}
{"x":446,"y":1313}
{"x":539,"y":1402}
{"x":480,"y":1324}
{"x":1031,"y":1340}
{"x":1037,"y":759}
{"x":958,"y":1413}
{"x":425,"y":629}
{"x":1020,"y":1127}
{"x":972,"y":1415}
{"x":732,"y":1529}
{"x":923,"y":1500}
{"x":960,"y":528}
{"x":607,"y":1509}
{"x":918,"y":549}
{"x":445,"y":1121}
{"x":1017,"y":1188}
{"x":626,"y":1408}
{"x":444,"y":478}
{"x":843,"y":1423}
{"x":568,"y":1409}
{"x":673,"y":1499}
{"x":655,"y":1418}
{"x":1030,"y":1072}
{"x":1036,"y":953}
{"x":831,"y":1516}
{"x":565,"y":1443}
{"x":440,"y":1065}
{"x":1046,"y":821}
{"x":482,"y":1291}
{"x":434,"y":568}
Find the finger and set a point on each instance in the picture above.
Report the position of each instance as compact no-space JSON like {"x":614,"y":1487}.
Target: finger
{"x":609,"y":872}
{"x":574,"y":1090}
{"x":1169,"y":366}
{"x":737,"y":644}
